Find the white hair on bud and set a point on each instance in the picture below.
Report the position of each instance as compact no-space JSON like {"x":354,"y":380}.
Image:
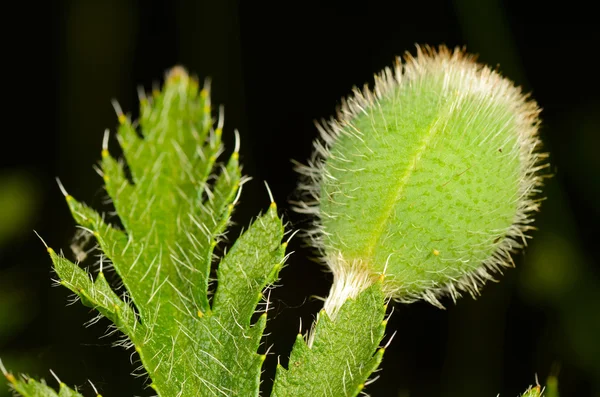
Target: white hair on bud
{"x":349,"y":280}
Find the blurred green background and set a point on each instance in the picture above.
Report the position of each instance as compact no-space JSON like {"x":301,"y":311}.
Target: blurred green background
{"x":277,"y":66}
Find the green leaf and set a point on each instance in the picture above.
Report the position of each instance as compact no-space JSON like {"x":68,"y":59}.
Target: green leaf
{"x":96,"y":294}
{"x":29,"y":387}
{"x":175,"y":210}
{"x":341,"y":353}
{"x":216,"y":353}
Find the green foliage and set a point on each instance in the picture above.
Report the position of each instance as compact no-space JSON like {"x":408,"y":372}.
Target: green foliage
{"x":174,"y":213}
{"x":174,"y":217}
{"x":338,"y":357}
{"x":29,"y":387}
{"x":411,"y":203}
{"x":175,"y":210}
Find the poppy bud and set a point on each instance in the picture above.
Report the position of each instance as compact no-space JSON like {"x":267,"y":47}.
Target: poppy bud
{"x":429,"y":179}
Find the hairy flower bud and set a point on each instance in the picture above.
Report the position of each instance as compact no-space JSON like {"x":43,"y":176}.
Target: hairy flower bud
{"x":428,"y":179}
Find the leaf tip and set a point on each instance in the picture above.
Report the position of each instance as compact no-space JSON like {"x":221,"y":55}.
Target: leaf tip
{"x":176,"y":73}
{"x":62,"y":188}
{"x":10,"y":377}
{"x":273,"y":205}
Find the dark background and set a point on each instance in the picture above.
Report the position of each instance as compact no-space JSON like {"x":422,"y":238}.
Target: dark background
{"x":277,"y":66}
